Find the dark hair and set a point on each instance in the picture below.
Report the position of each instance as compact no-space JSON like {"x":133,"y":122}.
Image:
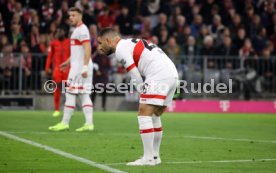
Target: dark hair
{"x":106,"y":31}
{"x":76,"y":9}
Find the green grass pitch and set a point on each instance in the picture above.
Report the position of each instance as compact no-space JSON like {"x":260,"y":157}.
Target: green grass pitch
{"x":190,"y":142}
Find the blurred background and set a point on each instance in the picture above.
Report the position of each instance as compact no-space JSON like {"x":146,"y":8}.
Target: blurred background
{"x":206,"y":39}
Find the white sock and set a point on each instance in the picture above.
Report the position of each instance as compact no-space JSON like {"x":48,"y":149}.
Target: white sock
{"x":158,"y":132}
{"x":68,"y":108}
{"x":87,"y":108}
{"x":146,"y":132}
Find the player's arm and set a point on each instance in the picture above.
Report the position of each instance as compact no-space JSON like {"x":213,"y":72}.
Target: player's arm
{"x":87,"y":55}
{"x":49,"y":60}
{"x":63,"y":66}
{"x":136,"y":78}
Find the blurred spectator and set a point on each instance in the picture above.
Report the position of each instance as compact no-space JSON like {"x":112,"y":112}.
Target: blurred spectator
{"x":173,"y":50}
{"x":247,"y":49}
{"x":254,"y":26}
{"x":52,"y":31}
{"x":240,"y":38}
{"x":16,"y":19}
{"x":16,"y":36}
{"x":125,"y":22}
{"x":236,"y":24}
{"x":2,"y":26}
{"x":18,"y":9}
{"x":272,"y":24}
{"x":267,"y":65}
{"x":227,"y":48}
{"x":191,"y":52}
{"x":42,"y":46}
{"x":154,"y":40}
{"x":202,"y":34}
{"x":196,"y":26}
{"x":179,"y":29}
{"x":82,"y":4}
{"x":208,"y":47}
{"x":27,"y":65}
{"x":216,"y":26}
{"x":248,"y":18}
{"x":190,"y":49}
{"x":227,"y":51}
{"x":47,"y":10}
{"x":62,"y":13}
{"x":208,"y":50}
{"x":101,"y":76}
{"x":162,"y":25}
{"x":105,"y":19}
{"x":33,"y":38}
{"x":273,"y":41}
{"x":163,"y":37}
{"x":7,"y":67}
{"x":145,"y":27}
{"x":259,"y":40}
{"x":190,"y":9}
{"x":173,"y":20}
{"x":269,"y":11}
{"x":3,"y":42}
{"x":206,"y":11}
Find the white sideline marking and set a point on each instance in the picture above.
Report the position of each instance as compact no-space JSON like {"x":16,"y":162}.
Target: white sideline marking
{"x":62,"y":153}
{"x":211,"y":161}
{"x":185,"y":136}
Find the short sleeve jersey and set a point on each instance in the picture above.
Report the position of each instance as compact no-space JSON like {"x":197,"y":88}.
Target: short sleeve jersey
{"x":151,"y":61}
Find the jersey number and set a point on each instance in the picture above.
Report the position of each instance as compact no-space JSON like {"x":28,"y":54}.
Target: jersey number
{"x":149,"y":47}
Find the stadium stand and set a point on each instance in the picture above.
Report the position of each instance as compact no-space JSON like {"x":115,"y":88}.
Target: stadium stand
{"x":203,"y":37}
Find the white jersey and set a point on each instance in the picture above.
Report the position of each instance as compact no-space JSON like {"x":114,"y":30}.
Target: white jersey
{"x":76,"y":83}
{"x":79,"y":36}
{"x":151,"y":61}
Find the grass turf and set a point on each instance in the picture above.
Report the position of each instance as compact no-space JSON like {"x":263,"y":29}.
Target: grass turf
{"x":116,"y":140}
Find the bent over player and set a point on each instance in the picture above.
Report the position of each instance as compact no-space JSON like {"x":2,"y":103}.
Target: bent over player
{"x":80,"y":74}
{"x":141,"y":58}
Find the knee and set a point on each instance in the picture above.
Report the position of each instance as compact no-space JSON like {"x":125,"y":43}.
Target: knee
{"x":146,"y":110}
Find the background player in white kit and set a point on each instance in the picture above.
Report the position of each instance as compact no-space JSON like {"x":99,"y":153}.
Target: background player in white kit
{"x":141,"y":58}
{"x":80,"y":76}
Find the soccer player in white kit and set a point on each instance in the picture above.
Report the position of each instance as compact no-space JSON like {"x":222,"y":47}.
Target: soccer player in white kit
{"x":79,"y":81}
{"x":141,"y":58}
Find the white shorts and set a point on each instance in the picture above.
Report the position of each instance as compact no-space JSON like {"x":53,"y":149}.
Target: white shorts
{"x":76,"y":84}
{"x":158,"y":92}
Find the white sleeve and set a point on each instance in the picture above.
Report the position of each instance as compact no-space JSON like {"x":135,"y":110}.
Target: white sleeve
{"x":125,"y":57}
{"x":84,"y":35}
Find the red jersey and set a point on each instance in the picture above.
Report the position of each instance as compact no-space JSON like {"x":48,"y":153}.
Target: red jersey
{"x":58,"y":52}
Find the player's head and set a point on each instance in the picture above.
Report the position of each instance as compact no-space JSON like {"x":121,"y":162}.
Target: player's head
{"x":61,"y":33}
{"x":107,"y":41}
{"x":75,"y":16}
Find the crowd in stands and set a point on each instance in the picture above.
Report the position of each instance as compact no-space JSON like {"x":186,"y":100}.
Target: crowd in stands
{"x":182,"y":28}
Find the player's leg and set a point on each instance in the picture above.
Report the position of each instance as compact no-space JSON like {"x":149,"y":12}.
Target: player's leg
{"x":87,"y":108}
{"x":57,"y":77}
{"x":57,"y":94}
{"x":68,"y":112}
{"x":147,"y":134}
{"x":158,"y":133}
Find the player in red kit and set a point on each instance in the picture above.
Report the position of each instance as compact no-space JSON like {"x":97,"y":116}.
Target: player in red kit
{"x":58,"y":52}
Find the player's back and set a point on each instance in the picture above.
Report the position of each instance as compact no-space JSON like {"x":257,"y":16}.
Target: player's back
{"x":150,"y":60}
